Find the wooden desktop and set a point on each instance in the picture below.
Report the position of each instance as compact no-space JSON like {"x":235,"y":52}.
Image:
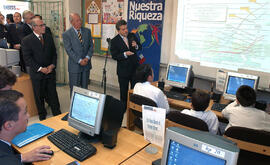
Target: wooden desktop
{"x":128,"y":144}
{"x":176,"y":104}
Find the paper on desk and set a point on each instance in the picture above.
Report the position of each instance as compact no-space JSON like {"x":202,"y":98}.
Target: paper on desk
{"x":154,"y":124}
{"x":220,"y":80}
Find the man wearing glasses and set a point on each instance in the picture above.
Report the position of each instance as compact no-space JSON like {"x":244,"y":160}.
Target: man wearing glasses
{"x":40,"y":54}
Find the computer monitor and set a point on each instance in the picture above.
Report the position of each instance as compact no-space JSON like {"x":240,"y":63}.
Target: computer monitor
{"x":235,"y":80}
{"x":184,"y":146}
{"x":86,"y":111}
{"x":9,"y":57}
{"x":179,"y":75}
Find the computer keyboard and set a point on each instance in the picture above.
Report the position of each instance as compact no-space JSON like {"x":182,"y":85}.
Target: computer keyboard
{"x":72,"y":145}
{"x":218,"y":107}
{"x":175,"y":95}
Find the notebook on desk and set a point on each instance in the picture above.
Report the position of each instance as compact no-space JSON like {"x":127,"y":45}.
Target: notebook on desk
{"x":32,"y":133}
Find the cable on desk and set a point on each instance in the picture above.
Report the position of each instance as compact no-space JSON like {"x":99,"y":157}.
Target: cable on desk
{"x":134,"y":153}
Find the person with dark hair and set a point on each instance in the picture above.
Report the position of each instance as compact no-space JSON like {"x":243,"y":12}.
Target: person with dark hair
{"x":14,"y":33}
{"x":9,"y":19}
{"x":7,"y":78}
{"x":144,"y":76}
{"x":3,"y":32}
{"x":40,"y":55}
{"x":242,"y":112}
{"x":13,"y":121}
{"x":199,"y":103}
{"x":123,"y":49}
{"x":47,"y":29}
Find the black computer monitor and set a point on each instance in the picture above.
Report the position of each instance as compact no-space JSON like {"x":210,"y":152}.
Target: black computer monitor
{"x":184,"y":147}
{"x":235,"y":80}
{"x":86,"y":111}
{"x":179,"y":75}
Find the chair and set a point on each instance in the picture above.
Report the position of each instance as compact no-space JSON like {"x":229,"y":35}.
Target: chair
{"x":254,"y":144}
{"x":185,"y":121}
{"x":135,"y":104}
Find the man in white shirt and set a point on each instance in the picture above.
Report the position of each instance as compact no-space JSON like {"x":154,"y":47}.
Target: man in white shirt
{"x":242,"y":113}
{"x":144,"y":77}
{"x":13,"y":121}
{"x":199,"y":102}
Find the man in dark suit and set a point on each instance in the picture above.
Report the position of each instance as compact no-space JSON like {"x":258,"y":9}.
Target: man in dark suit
{"x":40,"y":54}
{"x":13,"y":121}
{"x":123,"y":49}
{"x":13,"y":32}
{"x":26,"y":28}
{"x":79,"y":47}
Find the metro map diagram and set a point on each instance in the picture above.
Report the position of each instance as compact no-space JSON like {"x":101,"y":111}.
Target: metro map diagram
{"x":228,"y":34}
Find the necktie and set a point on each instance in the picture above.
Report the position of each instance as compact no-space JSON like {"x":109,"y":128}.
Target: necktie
{"x":80,"y":36}
{"x":41,"y":40}
{"x":126,"y":41}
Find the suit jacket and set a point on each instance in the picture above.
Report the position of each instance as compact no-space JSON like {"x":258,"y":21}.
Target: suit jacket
{"x":126,"y":67}
{"x":24,"y":30}
{"x":7,"y":155}
{"x":37,"y":56}
{"x":13,"y":34}
{"x":77,"y":50}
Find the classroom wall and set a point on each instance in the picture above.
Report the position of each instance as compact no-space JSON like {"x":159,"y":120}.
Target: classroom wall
{"x":98,"y":61}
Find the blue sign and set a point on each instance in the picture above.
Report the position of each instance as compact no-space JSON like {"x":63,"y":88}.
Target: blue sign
{"x":145,"y":19}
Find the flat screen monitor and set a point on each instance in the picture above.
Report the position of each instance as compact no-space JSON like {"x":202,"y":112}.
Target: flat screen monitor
{"x":178,"y":75}
{"x":86,"y":111}
{"x":184,"y":147}
{"x":235,"y":80}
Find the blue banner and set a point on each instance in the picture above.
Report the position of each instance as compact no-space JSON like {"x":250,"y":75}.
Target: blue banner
{"x":145,"y":19}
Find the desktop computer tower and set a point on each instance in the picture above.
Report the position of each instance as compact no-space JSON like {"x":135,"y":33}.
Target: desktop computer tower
{"x":113,"y":113}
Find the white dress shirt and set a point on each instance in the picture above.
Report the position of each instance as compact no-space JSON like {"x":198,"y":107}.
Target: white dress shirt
{"x":147,"y":90}
{"x":248,"y":117}
{"x":208,"y":117}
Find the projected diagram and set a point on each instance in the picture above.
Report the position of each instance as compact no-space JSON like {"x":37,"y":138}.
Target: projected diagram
{"x":228,"y":34}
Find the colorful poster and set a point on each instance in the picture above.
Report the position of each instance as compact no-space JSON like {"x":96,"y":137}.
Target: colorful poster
{"x":112,"y":11}
{"x":145,"y":19}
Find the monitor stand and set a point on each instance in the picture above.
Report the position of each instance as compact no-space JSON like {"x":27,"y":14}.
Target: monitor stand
{"x":88,"y":138}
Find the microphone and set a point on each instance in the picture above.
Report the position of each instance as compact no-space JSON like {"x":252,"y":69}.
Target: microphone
{"x":108,"y":40}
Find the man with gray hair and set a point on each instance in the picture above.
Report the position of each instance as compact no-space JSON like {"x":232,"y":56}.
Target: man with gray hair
{"x":40,"y":55}
{"x":79,"y":47}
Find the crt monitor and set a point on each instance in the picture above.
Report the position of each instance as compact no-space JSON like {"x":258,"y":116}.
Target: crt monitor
{"x":235,"y":80}
{"x":179,"y":75}
{"x":184,"y":147}
{"x":86,"y":111}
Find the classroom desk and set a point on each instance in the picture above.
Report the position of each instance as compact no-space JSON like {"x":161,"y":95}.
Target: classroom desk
{"x":176,"y":104}
{"x":144,"y":158}
{"x":128,"y":143}
{"x":24,"y":85}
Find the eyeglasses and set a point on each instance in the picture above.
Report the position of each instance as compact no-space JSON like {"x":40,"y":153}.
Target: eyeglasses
{"x":41,"y":25}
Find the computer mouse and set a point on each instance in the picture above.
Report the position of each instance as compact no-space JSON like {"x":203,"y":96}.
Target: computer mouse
{"x":51,"y":153}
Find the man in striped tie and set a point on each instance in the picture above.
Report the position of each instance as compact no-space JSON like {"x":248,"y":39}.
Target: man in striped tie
{"x":79,"y":47}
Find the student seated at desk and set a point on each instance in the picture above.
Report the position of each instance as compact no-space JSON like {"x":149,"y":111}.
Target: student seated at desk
{"x":144,"y":76}
{"x":242,"y":113}
{"x":13,"y":121}
{"x":199,"y":102}
{"x":7,"y":78}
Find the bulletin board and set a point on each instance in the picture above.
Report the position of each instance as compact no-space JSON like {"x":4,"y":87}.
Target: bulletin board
{"x":100,"y":16}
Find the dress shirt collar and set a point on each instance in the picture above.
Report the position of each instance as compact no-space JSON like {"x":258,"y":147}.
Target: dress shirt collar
{"x":29,"y":25}
{"x":6,"y":142}
{"x":146,"y":83}
{"x":77,"y":30}
{"x":36,"y":34}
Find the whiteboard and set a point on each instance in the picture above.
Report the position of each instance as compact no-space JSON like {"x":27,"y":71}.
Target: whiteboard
{"x":233,"y":35}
